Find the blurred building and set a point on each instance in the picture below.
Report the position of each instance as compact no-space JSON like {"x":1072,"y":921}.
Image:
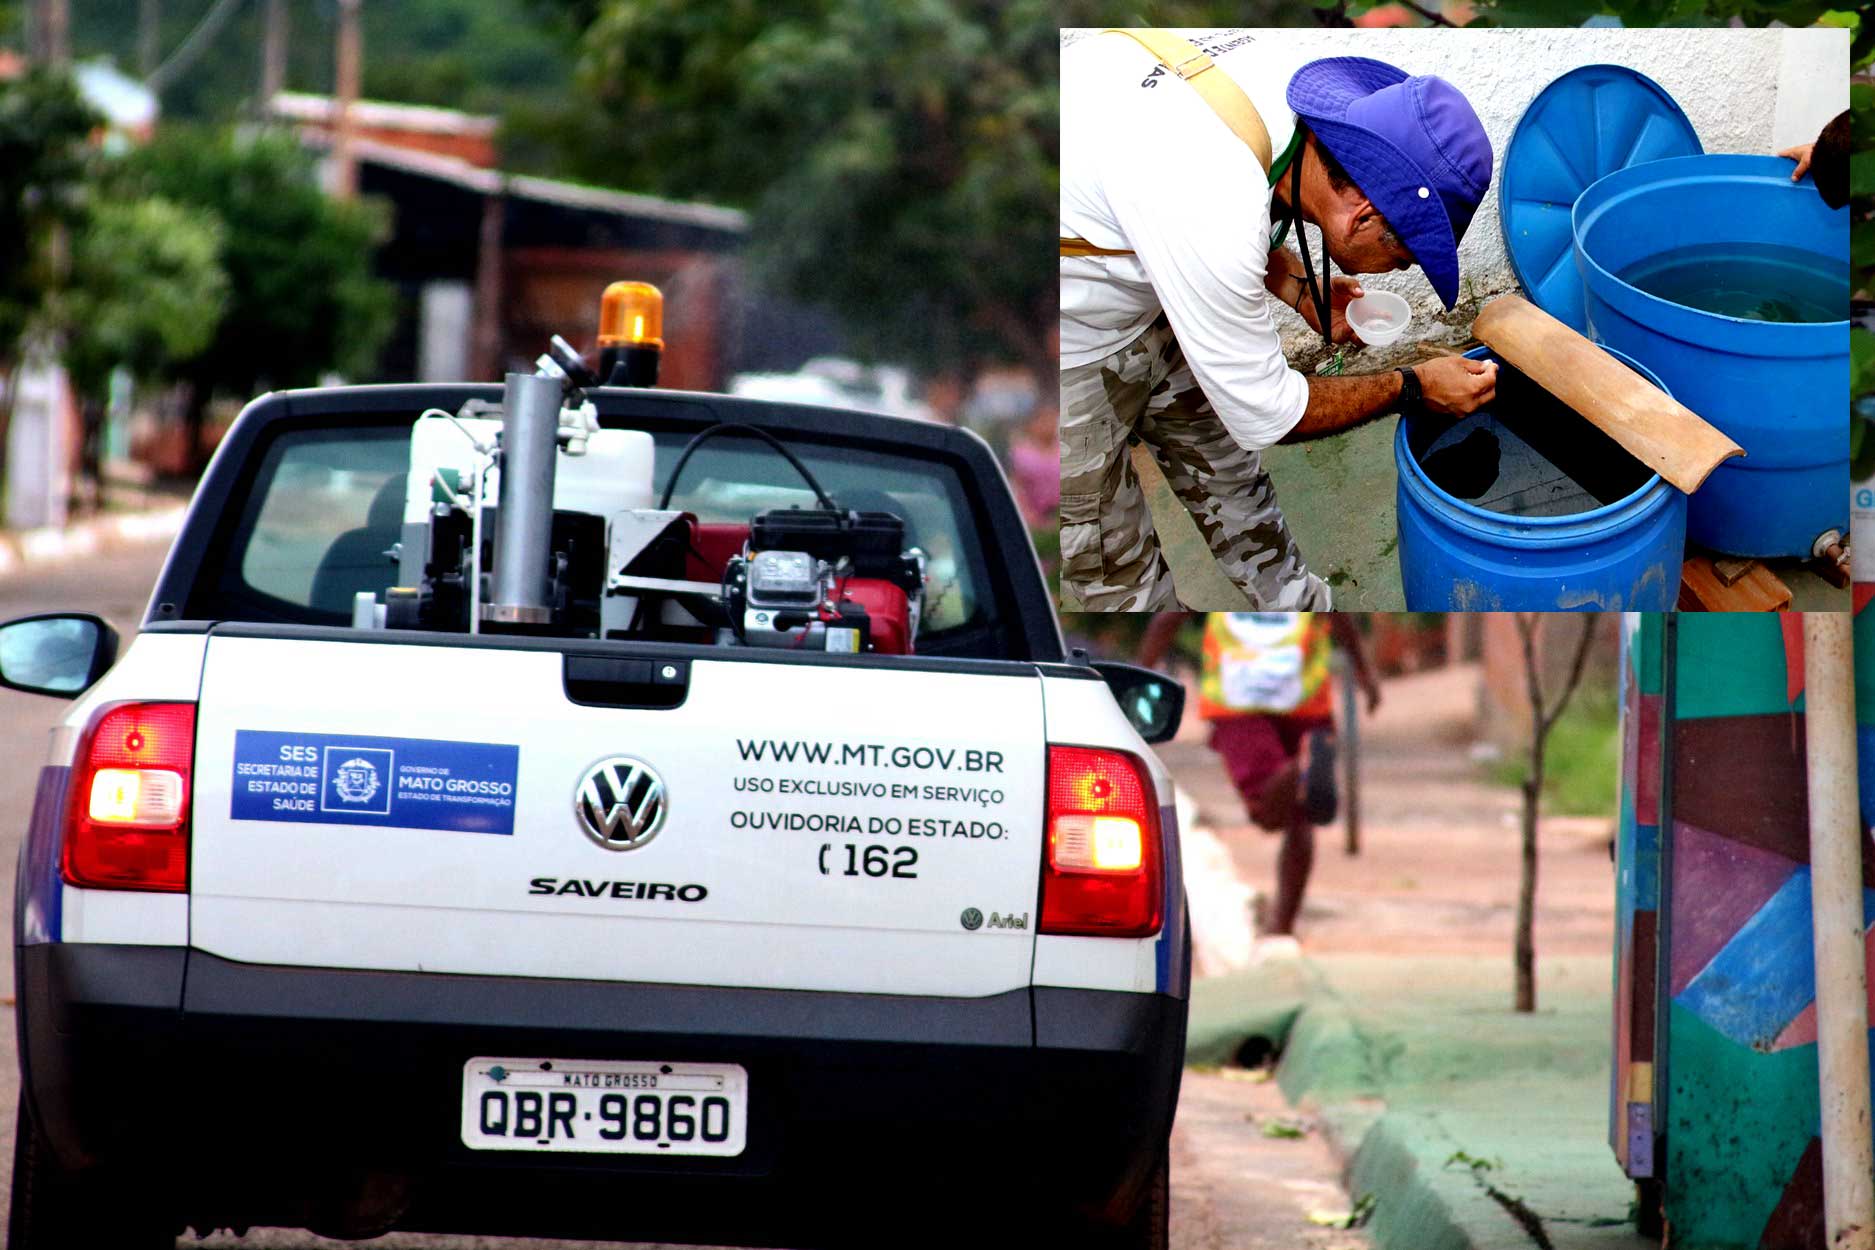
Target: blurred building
{"x":490,"y":265}
{"x":128,"y":107}
{"x":466,"y":137}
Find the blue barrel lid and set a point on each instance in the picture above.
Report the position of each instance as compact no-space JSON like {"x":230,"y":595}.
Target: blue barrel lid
{"x":1585,"y":125}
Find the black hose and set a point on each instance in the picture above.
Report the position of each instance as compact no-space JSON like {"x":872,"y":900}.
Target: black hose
{"x":737,"y":427}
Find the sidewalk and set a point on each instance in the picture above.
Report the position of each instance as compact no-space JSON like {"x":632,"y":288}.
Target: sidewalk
{"x":142,"y":515}
{"x":1473,"y":1128}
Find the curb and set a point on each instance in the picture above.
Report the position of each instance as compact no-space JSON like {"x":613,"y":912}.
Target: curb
{"x":24,"y":550}
{"x":1422,"y":1201}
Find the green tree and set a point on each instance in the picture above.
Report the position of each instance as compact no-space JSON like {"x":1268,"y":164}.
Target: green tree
{"x":146,"y":288}
{"x":302,"y":299}
{"x":45,"y":162}
{"x":899,"y":159}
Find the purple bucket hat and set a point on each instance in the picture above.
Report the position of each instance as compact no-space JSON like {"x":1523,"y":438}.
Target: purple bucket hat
{"x":1413,"y":146}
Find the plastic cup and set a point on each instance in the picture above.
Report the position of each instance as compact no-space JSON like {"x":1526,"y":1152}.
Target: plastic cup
{"x":1379,"y":317}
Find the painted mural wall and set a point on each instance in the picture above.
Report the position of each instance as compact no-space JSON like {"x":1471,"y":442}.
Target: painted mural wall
{"x":1714,"y":1103}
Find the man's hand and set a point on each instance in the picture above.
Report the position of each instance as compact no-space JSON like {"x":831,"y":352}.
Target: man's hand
{"x":1370,"y":688}
{"x":1457,"y":385}
{"x":1345,"y":291}
{"x":1449,"y":384}
{"x":1800,"y":154}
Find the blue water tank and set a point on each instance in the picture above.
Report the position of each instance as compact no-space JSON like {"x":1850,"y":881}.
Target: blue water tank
{"x":1778,"y":389}
{"x":1458,"y":557}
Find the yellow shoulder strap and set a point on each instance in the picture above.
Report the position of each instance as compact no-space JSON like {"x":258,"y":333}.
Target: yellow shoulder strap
{"x":1225,"y":97}
{"x":1081,"y":247}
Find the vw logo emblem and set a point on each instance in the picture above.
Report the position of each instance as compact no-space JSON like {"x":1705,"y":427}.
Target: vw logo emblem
{"x":620,"y":803}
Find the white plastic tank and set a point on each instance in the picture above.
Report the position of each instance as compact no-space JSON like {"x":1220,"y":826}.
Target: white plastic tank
{"x":614,"y":475}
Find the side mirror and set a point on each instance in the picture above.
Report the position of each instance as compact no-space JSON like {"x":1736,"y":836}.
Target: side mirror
{"x":1153,"y":702}
{"x":58,"y":653}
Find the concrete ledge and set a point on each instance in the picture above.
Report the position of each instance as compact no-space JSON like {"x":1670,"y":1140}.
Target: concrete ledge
{"x":1412,"y":1208}
{"x":21,"y":550}
{"x":1423,"y":1201}
{"x":1471,"y":1127}
{"x":1260,"y":1002}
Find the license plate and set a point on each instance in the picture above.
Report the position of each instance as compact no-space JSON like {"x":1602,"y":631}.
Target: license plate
{"x":598,"y":1106}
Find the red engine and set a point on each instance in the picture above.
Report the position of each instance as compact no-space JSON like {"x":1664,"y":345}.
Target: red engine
{"x":824,"y":579}
{"x":887,"y":609}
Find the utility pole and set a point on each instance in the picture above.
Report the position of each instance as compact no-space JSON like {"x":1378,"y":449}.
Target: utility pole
{"x":1836,"y":905}
{"x":48,"y":40}
{"x":149,"y":27}
{"x":272,"y":54}
{"x":344,"y":165}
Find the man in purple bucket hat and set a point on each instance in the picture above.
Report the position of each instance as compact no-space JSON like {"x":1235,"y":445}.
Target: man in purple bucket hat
{"x":1185,"y":162}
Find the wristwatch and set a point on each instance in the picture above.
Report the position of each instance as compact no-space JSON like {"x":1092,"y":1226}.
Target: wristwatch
{"x":1409,"y":389}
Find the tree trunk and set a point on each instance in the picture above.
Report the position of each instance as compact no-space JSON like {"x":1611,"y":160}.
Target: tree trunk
{"x":1525,"y":950}
{"x":194,"y":423}
{"x":87,"y":494}
{"x":1544,"y":713}
{"x":9,"y":391}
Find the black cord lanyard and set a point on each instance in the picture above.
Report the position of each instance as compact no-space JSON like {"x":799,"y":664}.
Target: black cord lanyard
{"x":1317,"y":293}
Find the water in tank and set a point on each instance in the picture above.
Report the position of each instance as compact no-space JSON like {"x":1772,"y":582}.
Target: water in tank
{"x":1755,"y":281}
{"x":1527,"y":454}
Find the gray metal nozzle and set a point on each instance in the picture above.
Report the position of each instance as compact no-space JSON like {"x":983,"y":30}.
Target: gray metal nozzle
{"x":524,"y":530}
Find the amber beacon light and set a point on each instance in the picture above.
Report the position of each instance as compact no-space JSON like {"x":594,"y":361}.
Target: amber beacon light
{"x":631,"y":334}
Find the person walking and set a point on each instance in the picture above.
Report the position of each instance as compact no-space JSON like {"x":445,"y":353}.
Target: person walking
{"x":1264,"y":688}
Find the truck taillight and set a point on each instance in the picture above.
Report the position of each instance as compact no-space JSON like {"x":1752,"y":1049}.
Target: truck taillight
{"x":127,"y":817}
{"x":1104,"y":866}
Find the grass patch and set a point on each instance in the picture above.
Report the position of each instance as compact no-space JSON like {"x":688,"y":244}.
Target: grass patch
{"x":1582,"y":767}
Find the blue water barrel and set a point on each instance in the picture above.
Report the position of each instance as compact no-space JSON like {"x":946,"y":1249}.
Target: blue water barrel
{"x":1458,"y":557}
{"x":1776,"y":388}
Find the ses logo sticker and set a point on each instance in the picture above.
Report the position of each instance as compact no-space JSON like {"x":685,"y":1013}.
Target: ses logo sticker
{"x":408,"y":783}
{"x":357,"y":783}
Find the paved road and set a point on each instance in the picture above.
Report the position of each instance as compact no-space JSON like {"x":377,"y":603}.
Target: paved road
{"x":1234,"y":1188}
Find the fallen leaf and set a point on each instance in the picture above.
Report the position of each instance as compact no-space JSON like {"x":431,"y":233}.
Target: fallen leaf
{"x":1256,"y":1076}
{"x":1354,"y":1218}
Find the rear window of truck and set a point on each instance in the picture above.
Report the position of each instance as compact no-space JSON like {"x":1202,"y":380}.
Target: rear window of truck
{"x":320,"y":515}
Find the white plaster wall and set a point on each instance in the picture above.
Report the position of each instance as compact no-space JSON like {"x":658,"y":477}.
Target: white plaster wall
{"x":1809,"y":93}
{"x":1744,"y":90}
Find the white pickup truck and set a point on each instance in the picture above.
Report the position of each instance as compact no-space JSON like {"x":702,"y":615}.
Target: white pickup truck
{"x":725,"y":851}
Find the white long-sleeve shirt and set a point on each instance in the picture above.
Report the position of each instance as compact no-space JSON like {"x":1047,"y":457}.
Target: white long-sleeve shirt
{"x":1153,"y":170}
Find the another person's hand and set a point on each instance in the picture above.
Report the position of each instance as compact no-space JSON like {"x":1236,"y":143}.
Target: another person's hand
{"x":1344,"y":292}
{"x":1371,"y":689}
{"x":1800,"y":154}
{"x":1457,"y":385}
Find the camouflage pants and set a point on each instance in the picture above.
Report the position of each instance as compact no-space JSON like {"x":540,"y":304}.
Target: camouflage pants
{"x":1110,"y":555}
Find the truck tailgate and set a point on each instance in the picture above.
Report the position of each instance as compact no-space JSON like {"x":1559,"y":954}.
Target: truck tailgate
{"x":367,"y":804}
